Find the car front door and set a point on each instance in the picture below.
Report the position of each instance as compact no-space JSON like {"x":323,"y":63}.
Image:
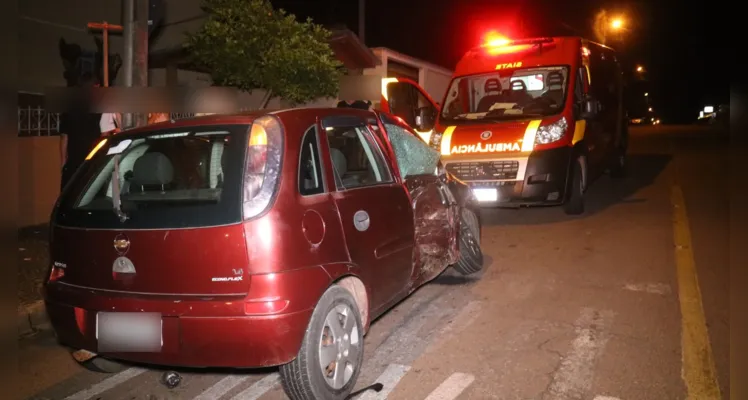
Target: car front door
{"x":374,"y":208}
{"x":406,"y":99}
{"x":435,"y":210}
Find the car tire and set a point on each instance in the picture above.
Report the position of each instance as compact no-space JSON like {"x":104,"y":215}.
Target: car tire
{"x":471,"y":255}
{"x":103,"y":365}
{"x":304,"y":377}
{"x":574,"y":204}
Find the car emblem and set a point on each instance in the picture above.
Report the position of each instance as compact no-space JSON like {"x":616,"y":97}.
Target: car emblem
{"x":121,"y":244}
{"x":485,"y":135}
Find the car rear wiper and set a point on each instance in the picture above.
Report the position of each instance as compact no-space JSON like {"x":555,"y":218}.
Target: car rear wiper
{"x":116,"y":195}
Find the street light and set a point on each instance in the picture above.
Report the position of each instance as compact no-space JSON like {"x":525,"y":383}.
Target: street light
{"x":616,"y":24}
{"x":646,"y":94}
{"x":650,"y":109}
{"x":639,"y":68}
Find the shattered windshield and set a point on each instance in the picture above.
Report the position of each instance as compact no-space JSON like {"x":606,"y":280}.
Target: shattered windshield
{"x":414,"y":157}
{"x":507,"y":94}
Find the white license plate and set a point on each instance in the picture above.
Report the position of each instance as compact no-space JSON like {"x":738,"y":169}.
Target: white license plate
{"x":123,"y":332}
{"x":486,"y":194}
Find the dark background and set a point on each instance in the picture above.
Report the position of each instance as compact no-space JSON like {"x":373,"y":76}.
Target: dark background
{"x":680,"y":44}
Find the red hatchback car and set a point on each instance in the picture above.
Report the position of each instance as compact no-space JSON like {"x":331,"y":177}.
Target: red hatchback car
{"x":255,"y":240}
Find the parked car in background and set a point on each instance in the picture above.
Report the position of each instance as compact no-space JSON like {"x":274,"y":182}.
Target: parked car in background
{"x":254,"y":240}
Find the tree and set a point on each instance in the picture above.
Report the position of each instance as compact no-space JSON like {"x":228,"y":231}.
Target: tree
{"x":249,"y":45}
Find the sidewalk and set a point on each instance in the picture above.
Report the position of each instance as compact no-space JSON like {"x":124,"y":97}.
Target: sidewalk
{"x":33,"y":262}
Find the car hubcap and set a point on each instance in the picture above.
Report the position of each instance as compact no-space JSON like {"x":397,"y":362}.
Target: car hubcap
{"x":339,"y":346}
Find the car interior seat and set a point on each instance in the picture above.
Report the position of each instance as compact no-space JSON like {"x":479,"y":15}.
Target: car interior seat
{"x":492,"y":86}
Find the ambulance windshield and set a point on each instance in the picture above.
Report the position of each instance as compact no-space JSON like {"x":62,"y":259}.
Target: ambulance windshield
{"x":507,"y":94}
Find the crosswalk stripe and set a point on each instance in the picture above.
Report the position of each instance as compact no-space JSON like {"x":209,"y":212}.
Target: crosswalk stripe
{"x":258,"y":388}
{"x":221,"y":387}
{"x":107,"y":384}
{"x":389,"y":379}
{"x":452,"y":387}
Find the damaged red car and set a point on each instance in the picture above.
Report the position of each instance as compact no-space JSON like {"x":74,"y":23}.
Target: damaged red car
{"x":253,"y":240}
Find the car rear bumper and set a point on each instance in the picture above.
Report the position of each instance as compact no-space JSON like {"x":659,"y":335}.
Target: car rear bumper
{"x":544,"y":181}
{"x":240,"y":341}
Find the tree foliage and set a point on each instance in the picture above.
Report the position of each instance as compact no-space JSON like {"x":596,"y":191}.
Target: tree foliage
{"x":249,"y":45}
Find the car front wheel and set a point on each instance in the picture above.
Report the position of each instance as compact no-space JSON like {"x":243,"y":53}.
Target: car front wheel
{"x":471,"y":255}
{"x":332,"y":351}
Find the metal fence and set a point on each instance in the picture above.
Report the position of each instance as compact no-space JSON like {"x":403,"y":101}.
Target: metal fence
{"x":36,"y":121}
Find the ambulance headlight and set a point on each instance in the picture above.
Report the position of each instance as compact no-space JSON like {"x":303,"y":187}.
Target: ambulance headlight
{"x":552,"y":132}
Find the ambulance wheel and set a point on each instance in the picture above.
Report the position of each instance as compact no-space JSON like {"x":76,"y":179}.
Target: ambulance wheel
{"x":619,"y":164}
{"x":575,"y":200}
{"x":332,"y":351}
{"x":471,"y":255}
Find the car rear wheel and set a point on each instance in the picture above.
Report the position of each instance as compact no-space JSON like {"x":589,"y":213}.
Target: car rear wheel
{"x":103,"y":365}
{"x":471,"y":255}
{"x":575,"y":202}
{"x":332,"y":351}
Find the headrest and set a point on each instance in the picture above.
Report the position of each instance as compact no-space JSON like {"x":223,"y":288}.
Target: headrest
{"x":519,"y":85}
{"x":152,"y":169}
{"x":555,"y":78}
{"x":339,"y":161}
{"x":492,"y":85}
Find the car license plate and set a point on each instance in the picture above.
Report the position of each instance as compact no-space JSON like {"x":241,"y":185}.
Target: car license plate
{"x":486,"y":194}
{"x":122,"y":332}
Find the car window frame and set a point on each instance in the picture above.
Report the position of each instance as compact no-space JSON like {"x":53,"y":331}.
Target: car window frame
{"x":352,"y":121}
{"x":312,"y":130}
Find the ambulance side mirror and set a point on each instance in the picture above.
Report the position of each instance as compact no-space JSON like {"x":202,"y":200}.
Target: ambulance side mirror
{"x":590,"y":107}
{"x":426,"y":118}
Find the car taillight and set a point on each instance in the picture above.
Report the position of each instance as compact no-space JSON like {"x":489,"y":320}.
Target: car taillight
{"x":262,"y":166}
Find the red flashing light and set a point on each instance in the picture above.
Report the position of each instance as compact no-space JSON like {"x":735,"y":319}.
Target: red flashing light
{"x":494,"y":39}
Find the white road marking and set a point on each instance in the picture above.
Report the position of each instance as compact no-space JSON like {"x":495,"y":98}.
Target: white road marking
{"x":654,"y":288}
{"x":573,"y":379}
{"x":606,"y":398}
{"x":222,"y":387}
{"x":107,"y":384}
{"x":389,"y":379}
{"x":452,"y":387}
{"x":259,"y":388}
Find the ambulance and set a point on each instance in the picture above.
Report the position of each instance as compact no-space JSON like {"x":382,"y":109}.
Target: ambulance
{"x":533,"y":121}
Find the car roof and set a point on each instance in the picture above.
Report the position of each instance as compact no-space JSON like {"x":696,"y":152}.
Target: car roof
{"x":288,"y":115}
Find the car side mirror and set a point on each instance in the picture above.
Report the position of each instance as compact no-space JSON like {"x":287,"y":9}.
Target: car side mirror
{"x":426,"y":118}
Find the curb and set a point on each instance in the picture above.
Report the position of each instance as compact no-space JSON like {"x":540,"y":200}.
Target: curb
{"x":32,"y":318}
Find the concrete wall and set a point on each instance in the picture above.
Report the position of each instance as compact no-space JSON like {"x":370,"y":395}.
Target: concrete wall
{"x":38,"y":178}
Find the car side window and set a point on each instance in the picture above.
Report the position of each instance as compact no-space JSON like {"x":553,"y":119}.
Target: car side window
{"x":310,"y":168}
{"x":356,"y":157}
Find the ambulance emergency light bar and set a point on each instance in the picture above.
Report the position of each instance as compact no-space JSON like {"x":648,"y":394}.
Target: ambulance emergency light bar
{"x":496,"y":44}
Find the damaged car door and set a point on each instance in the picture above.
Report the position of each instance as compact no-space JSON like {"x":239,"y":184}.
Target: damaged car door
{"x":435,"y":210}
{"x":374,"y":208}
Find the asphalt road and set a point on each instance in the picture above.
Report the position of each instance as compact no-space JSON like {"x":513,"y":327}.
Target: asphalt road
{"x":602,"y":306}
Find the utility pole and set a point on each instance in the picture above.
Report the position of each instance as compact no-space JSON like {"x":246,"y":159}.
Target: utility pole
{"x":129,"y":13}
{"x":105,"y":28}
{"x":362,"y":21}
{"x":141,"y":51}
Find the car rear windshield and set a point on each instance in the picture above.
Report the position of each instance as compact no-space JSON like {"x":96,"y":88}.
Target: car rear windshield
{"x":172,"y":178}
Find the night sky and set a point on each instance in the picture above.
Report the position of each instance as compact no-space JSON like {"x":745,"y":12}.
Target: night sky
{"x":677,"y":42}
